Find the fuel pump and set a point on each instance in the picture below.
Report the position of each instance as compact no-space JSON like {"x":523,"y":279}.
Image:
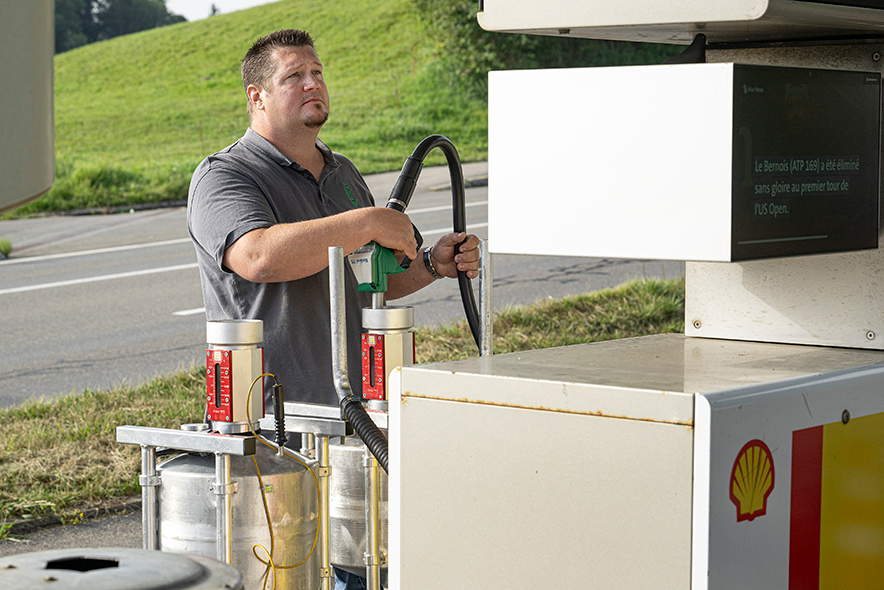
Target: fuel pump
{"x":358,"y":500}
{"x":388,"y":340}
{"x":389,"y":337}
{"x":233,"y":362}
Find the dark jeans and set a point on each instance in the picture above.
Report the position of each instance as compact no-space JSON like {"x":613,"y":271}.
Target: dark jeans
{"x":344,"y":580}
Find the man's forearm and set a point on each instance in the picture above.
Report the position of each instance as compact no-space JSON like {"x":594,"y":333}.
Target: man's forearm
{"x":292,"y":251}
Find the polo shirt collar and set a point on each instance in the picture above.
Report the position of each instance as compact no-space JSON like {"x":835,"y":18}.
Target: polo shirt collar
{"x":258,"y":142}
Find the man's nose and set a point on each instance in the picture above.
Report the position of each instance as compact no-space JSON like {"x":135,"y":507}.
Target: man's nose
{"x":311,"y":82}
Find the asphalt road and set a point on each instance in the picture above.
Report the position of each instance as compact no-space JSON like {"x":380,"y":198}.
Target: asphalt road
{"x":101,"y":300}
{"x":115,"y":531}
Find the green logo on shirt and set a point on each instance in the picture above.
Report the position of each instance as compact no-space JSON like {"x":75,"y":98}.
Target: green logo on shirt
{"x":350,"y":194}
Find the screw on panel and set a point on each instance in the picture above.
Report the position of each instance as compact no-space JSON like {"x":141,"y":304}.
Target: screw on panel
{"x":697,"y":324}
{"x":870,"y":335}
{"x":876,"y":56}
{"x":845,"y":416}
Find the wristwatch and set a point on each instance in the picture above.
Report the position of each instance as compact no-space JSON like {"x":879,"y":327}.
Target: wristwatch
{"x":428,"y":263}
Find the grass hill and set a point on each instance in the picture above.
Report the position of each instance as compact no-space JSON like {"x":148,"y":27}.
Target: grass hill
{"x":135,"y":114}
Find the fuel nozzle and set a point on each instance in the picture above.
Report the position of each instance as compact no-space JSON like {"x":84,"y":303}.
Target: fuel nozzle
{"x":372,"y":264}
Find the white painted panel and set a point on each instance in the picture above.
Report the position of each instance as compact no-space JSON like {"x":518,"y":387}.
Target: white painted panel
{"x":394,"y":481}
{"x":629,"y":162}
{"x":772,"y":413}
{"x":496,"y":497}
{"x":700,"y":504}
{"x":825,"y":300}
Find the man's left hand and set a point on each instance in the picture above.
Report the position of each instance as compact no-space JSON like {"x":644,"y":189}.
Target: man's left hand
{"x":448,"y":258}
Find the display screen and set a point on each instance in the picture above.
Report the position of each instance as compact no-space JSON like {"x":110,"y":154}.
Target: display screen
{"x":806,"y":161}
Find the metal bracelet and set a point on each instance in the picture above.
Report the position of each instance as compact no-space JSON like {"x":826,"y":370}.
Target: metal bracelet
{"x":428,"y":263}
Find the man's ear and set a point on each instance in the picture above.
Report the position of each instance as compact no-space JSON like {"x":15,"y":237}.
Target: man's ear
{"x":255,"y":96}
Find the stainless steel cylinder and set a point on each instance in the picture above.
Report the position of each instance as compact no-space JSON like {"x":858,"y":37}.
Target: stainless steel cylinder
{"x":227,"y":333}
{"x":347,"y":507}
{"x":188,"y":497}
{"x":388,"y":318}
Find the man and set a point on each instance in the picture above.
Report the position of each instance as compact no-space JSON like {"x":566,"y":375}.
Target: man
{"x":263,"y":212}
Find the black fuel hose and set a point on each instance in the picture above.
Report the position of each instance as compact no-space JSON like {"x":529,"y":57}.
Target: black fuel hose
{"x":401,"y":194}
{"x":367,"y":430}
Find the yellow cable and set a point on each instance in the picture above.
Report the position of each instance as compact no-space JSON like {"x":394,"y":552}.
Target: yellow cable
{"x":269,"y":563}
{"x":272,"y":566}
{"x":318,"y":500}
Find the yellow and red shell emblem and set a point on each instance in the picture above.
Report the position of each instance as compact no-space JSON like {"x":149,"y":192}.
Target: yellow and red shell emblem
{"x":752,"y":480}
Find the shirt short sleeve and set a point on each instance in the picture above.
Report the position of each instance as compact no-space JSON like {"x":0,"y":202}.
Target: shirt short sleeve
{"x":225,"y":204}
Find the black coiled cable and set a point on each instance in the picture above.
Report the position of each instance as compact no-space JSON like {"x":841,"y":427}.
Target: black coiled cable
{"x":367,"y":430}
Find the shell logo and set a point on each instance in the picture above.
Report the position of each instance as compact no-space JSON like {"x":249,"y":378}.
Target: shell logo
{"x":752,"y":480}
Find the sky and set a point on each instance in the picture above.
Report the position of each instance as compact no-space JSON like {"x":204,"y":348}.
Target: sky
{"x":199,"y":9}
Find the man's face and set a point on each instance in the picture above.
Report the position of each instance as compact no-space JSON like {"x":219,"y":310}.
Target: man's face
{"x":297,"y":94}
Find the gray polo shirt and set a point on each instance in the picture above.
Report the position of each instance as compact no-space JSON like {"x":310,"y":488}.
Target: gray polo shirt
{"x":251,"y":185}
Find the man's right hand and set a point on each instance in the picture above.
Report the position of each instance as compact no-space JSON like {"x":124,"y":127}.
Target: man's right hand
{"x":394,"y":231}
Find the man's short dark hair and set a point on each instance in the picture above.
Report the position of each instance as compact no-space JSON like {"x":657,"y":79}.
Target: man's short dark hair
{"x":258,"y":65}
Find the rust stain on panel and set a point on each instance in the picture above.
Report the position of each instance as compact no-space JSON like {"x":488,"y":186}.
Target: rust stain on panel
{"x":688,"y":423}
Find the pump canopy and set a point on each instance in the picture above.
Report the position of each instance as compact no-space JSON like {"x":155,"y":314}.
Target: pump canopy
{"x":723,"y":22}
